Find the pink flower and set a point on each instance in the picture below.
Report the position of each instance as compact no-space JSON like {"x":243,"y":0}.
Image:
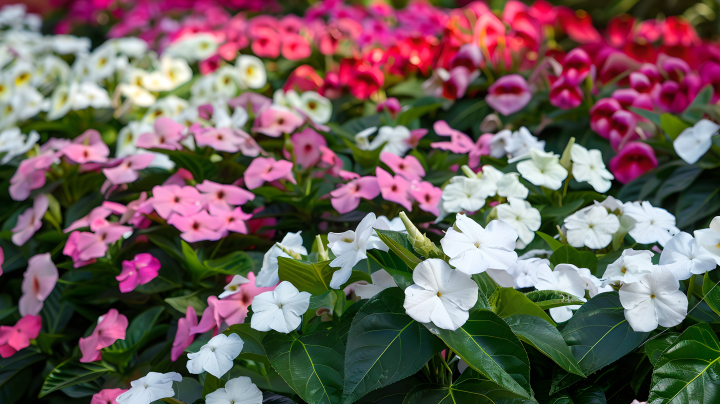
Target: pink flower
{"x":220,"y":197}
{"x":197,"y":227}
{"x":469,"y":55}
{"x":622,"y":129}
{"x":393,"y":189}
{"x":427,"y":196}
{"x":87,"y":148}
{"x":266,"y":169}
{"x":209,"y":65}
{"x":107,"y":396}
{"x":275,"y":121}
{"x":577,"y":65}
{"x":347,"y":198}
{"x":461,"y":143}
{"x":173,"y":198}
{"x":84,"y":246}
{"x":565,"y":94}
{"x":306,"y":147}
{"x":226,"y":139}
{"x":265,"y":43}
{"x":253,"y":103}
{"x":457,"y":83}
{"x":38,"y":281}
{"x":330,"y":161}
{"x":365,"y":81}
{"x":600,"y":116}
{"x":392,"y":105}
{"x":17,"y":337}
{"x":295,"y":47}
{"x":141,"y":270}
{"x":415,"y":136}
{"x":30,"y":175}
{"x":509,"y":94}
{"x":111,"y":327}
{"x":168,"y":135}
{"x":233,"y":220}
{"x":127,"y":171}
{"x":674,"y":98}
{"x":408,"y":167}
{"x":634,"y":160}
{"x":100,"y":212}
{"x":183,"y":337}
{"x":30,"y":221}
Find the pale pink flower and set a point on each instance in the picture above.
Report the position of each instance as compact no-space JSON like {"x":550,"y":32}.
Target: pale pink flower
{"x":180,"y":178}
{"x":330,"y":161}
{"x":183,"y":337}
{"x":138,"y":271}
{"x":223,"y":139}
{"x":111,"y":327}
{"x":127,"y":171}
{"x":508,"y":94}
{"x":233,"y":220}
{"x":85,"y":246}
{"x":30,"y":221}
{"x":197,"y":227}
{"x":168,"y":135}
{"x":87,"y":148}
{"x":461,"y":143}
{"x":17,"y":337}
{"x":427,"y":196}
{"x":167,"y":199}
{"x":100,"y":212}
{"x":251,"y":102}
{"x":415,"y":136}
{"x":38,"y":281}
{"x":220,"y":197}
{"x":306,"y":147}
{"x":30,"y":175}
{"x":347,"y":198}
{"x":106,"y":396}
{"x":275,"y":121}
{"x":393,"y":189}
{"x":408,"y":166}
{"x":266,"y":169}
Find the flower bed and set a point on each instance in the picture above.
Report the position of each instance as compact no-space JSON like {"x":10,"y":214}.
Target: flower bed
{"x":228,"y":202}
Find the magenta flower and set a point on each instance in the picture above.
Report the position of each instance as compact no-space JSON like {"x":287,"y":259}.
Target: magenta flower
{"x":710,"y":74}
{"x":209,"y":65}
{"x":111,"y":327}
{"x":295,"y":47}
{"x":427,"y":196}
{"x":233,"y":220}
{"x":457,"y":83}
{"x":306,"y":147}
{"x":330,"y":161}
{"x":168,"y":135}
{"x":267,"y":169}
{"x":106,"y":396}
{"x":675,"y":68}
{"x":138,"y":271}
{"x":197,"y":227}
{"x":30,"y":175}
{"x":469,"y":55}
{"x":221,"y":197}
{"x":629,"y":97}
{"x":634,"y":160}
{"x":674,"y":98}
{"x":641,"y":83}
{"x":210,"y":320}
{"x":347,"y":197}
{"x":365,"y":81}
{"x":183,"y":337}
{"x":17,"y":337}
{"x":167,"y":199}
{"x":577,"y":65}
{"x":509,"y":94}
{"x":393,"y":189}
{"x":409,"y":167}
{"x":565,"y":94}
{"x":127,"y":171}
{"x":38,"y":281}
{"x":87,"y":148}
{"x":30,"y":221}
{"x":265,"y":43}
{"x":600,"y":116}
{"x":392,"y":105}
{"x":275,"y":121}
{"x":622,"y":129}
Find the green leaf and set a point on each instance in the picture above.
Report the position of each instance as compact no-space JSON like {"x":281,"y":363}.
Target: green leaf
{"x":419,"y":108}
{"x":695,"y":111}
{"x":672,"y":125}
{"x":313,"y":277}
{"x":546,"y":339}
{"x":384,"y":345}
{"x":366,"y":158}
{"x":651,"y":116}
{"x":548,"y":299}
{"x":141,"y":329}
{"x":200,"y":167}
{"x":655,"y":347}
{"x":400,"y":245}
{"x":687,"y":371}
{"x":678,"y":181}
{"x":470,"y":387}
{"x":252,"y":339}
{"x":9,"y":367}
{"x":211,"y":384}
{"x":486,"y":284}
{"x":488,"y":345}
{"x":562,"y":211}
{"x":196,"y":269}
{"x":569,"y":255}
{"x":712,"y":296}
{"x":72,"y":372}
{"x":700,"y":200}
{"x":235,"y":263}
{"x":552,"y":243}
{"x":395,"y":266}
{"x":181,"y":303}
{"x":391,"y":394}
{"x":311,"y":364}
{"x":506,"y":302}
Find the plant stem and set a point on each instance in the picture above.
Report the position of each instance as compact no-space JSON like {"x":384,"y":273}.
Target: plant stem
{"x":691,"y":286}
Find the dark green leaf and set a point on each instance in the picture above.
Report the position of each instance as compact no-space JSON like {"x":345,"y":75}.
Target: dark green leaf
{"x":399,"y":244}
{"x":655,"y":347}
{"x":72,"y":372}
{"x":235,"y":263}
{"x":696,"y":110}
{"x":252,"y":339}
{"x":569,"y":255}
{"x":552,"y":243}
{"x":651,"y":116}
{"x":9,"y":367}
{"x":419,"y":108}
{"x":392,"y":394}
{"x":210,"y":384}
{"x":181,"y":303}
{"x":678,"y":181}
{"x":506,"y":302}
{"x":485,"y":283}
{"x":548,"y":299}
{"x":471,"y":388}
{"x":395,"y":266}
{"x":700,"y":200}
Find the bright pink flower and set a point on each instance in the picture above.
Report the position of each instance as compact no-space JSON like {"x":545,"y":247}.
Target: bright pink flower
{"x":253,"y":103}
{"x":459,"y":143}
{"x":634,"y":160}
{"x":183,"y":337}
{"x":127,"y":171}
{"x":306,"y":147}
{"x":139,"y":271}
{"x":221,"y":197}
{"x":304,"y":78}
{"x":509,"y":94}
{"x":100,"y":212}
{"x":295,"y":47}
{"x":577,"y":65}
{"x":628,"y":97}
{"x":622,"y":129}
{"x":233,"y":220}
{"x":469,"y":55}
{"x":167,"y":135}
{"x":710,"y":74}
{"x":330,"y":161}
{"x":678,"y":31}
{"x":365,"y":81}
{"x":72,"y":251}
{"x":675,"y":68}
{"x":427,"y":196}
{"x":266,"y":169}
{"x":17,"y":337}
{"x":578,"y":26}
{"x":173,"y":198}
{"x":600,"y":116}
{"x":180,"y":178}
{"x":275,"y":121}
{"x":415,"y":136}
{"x":30,"y":175}
{"x":106,"y":396}
{"x":393,"y":189}
{"x":265,"y":42}
{"x":565,"y":95}
{"x":674,"y":97}
{"x":347,"y":197}
{"x":38,"y":281}
{"x":408,"y":166}
{"x":111,"y":327}
{"x":209,"y":65}
{"x":197,"y":227}
{"x":30,"y":221}
{"x":211,"y":319}
{"x":87,"y":148}
{"x":642,"y":83}
{"x":392,"y":105}
{"x":619,"y":30}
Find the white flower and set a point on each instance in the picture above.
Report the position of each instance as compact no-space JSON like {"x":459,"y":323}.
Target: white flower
{"x":21,"y":73}
{"x":465,"y":194}
{"x":101,"y":63}
{"x":350,"y":247}
{"x":489,"y":177}
{"x":130,"y":46}
{"x":592,"y":228}
{"x":522,"y":217}
{"x":684,"y":257}
{"x":28,"y":102}
{"x":501,"y":143}
{"x":155,"y":81}
{"x":268,"y":275}
{"x":524,"y":271}
{"x":654,"y":300}
{"x":14,"y":143}
{"x":315,"y":106}
{"x":127,"y":138}
{"x":362,"y":138}
{"x":694,"y":142}
{"x":510,"y":186}
{"x":588,"y":167}
{"x":137,"y":95}
{"x":440,"y":295}
{"x":543,"y":169}
{"x":709,"y":239}
{"x":67,"y":44}
{"x":169,"y":107}
{"x":280,"y":310}
{"x":522,"y":142}
{"x":224,"y":83}
{"x":233,"y":287}
{"x":593,"y":285}
{"x":473,"y":249}
{"x":651,"y":224}
{"x":251,"y":72}
{"x":177,"y":71}
{"x":216,"y":357}
{"x":90,"y":94}
{"x":61,"y":100}
{"x":395,"y":139}
{"x":565,"y":278}
{"x":152,"y":387}
{"x":240,"y":390}
{"x":631,"y":265}
{"x":381,"y":280}
{"x":197,"y":47}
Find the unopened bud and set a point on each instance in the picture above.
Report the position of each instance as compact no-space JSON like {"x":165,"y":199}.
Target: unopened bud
{"x":322,"y":252}
{"x":565,"y":160}
{"x":289,"y":251}
{"x":469,"y":172}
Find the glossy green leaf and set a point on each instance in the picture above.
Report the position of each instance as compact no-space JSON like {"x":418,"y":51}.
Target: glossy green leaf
{"x":552,"y":243}
{"x":311,"y":364}
{"x":9,"y":367}
{"x":569,"y":255}
{"x":486,"y":284}
{"x":506,"y":302}
{"x":488,"y":345}
{"x":418,"y":108}
{"x":252,"y":339}
{"x":392,"y":394}
{"x":262,"y":373}
{"x":72,"y":372}
{"x":181,"y":303}
{"x":696,"y":110}
{"x":366,"y":158}
{"x":548,"y":299}
{"x":141,"y":329}
{"x":313,"y":277}
{"x":211,"y":384}
{"x":712,"y":294}
{"x":649,"y":115}
{"x":384,"y":345}
{"x":687,"y":372}
{"x":394,"y":266}
{"x":471,"y":388}
{"x":235,"y":263}
{"x":656,"y":346}
{"x":672,"y":125}
{"x":400,"y":245}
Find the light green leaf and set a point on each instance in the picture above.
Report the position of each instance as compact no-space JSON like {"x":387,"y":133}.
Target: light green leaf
{"x":672,"y":125}
{"x":400,"y":245}
{"x":313,"y":277}
{"x":548,"y":299}
{"x":506,"y":302}
{"x":552,"y":243}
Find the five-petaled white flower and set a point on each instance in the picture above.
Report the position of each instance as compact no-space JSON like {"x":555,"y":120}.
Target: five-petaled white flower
{"x":234,"y":286}
{"x":522,"y":217}
{"x":154,"y":386}
{"x":522,"y":142}
{"x":654,"y":300}
{"x":565,"y":278}
{"x":381,"y":280}
{"x":694,"y":142}
{"x":709,"y":239}
{"x":240,"y":390}
{"x":350,"y":247}
{"x":440,"y":295}
{"x":524,"y":272}
{"x":651,"y":224}
{"x":588,"y":166}
{"x":631,"y":265}
{"x":684,"y":257}
{"x":280,"y":310}
{"x":473,"y":249}
{"x":465,"y":194}
{"x":591,"y":228}
{"x":216,"y":357}
{"x":543,"y":169}
{"x":268,"y":275}
{"x":510,"y":186}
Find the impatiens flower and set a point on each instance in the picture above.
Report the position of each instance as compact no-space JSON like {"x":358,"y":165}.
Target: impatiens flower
{"x":591,"y":228}
{"x":509,"y":185}
{"x":30,"y":175}
{"x":197,"y":227}
{"x":127,"y":171}
{"x":461,"y":143}
{"x":306,"y":147}
{"x":87,"y":148}
{"x":396,"y":140}
{"x":167,"y":135}
{"x":233,"y":220}
{"x":234,"y":286}
{"x":634,"y":160}
{"x":440,"y":295}
{"x":709,"y":239}
{"x":251,"y":71}
{"x":631,"y":265}
{"x":38,"y":281}
{"x":465,"y":194}
{"x":391,"y":105}
{"x":84,"y":247}
{"x":314,"y":106}
{"x":111,"y":327}
{"x":216,"y":357}
{"x":501,"y":143}
{"x":564,"y":278}
{"x":173,"y":198}
{"x":684,"y":257}
{"x":277,"y":120}
{"x":30,"y":221}
{"x":623,"y":129}
{"x":524,"y":271}
{"x":508,"y":94}
{"x":183,"y":337}
{"x":347,"y":197}
{"x":154,"y":386}
{"x":588,"y":166}
{"x":350,"y":247}
{"x":652,"y":225}
{"x":694,"y":142}
{"x":408,"y":166}
{"x":240,"y":390}
{"x":600,"y":116}
{"x":565,"y":93}
{"x":106,"y":396}
{"x":280,"y":310}
{"x":543,"y":169}
{"x":393,"y":189}
{"x":427,"y":196}
{"x":473,"y":250}
{"x":220,"y":197}
{"x":17,"y":337}
{"x":268,"y":275}
{"x":522,"y":142}
{"x":381,"y":280}
{"x":654,"y":300}
{"x":138,"y":271}
{"x":266,"y":169}
{"x":521,"y":217}
{"x":224,"y":139}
